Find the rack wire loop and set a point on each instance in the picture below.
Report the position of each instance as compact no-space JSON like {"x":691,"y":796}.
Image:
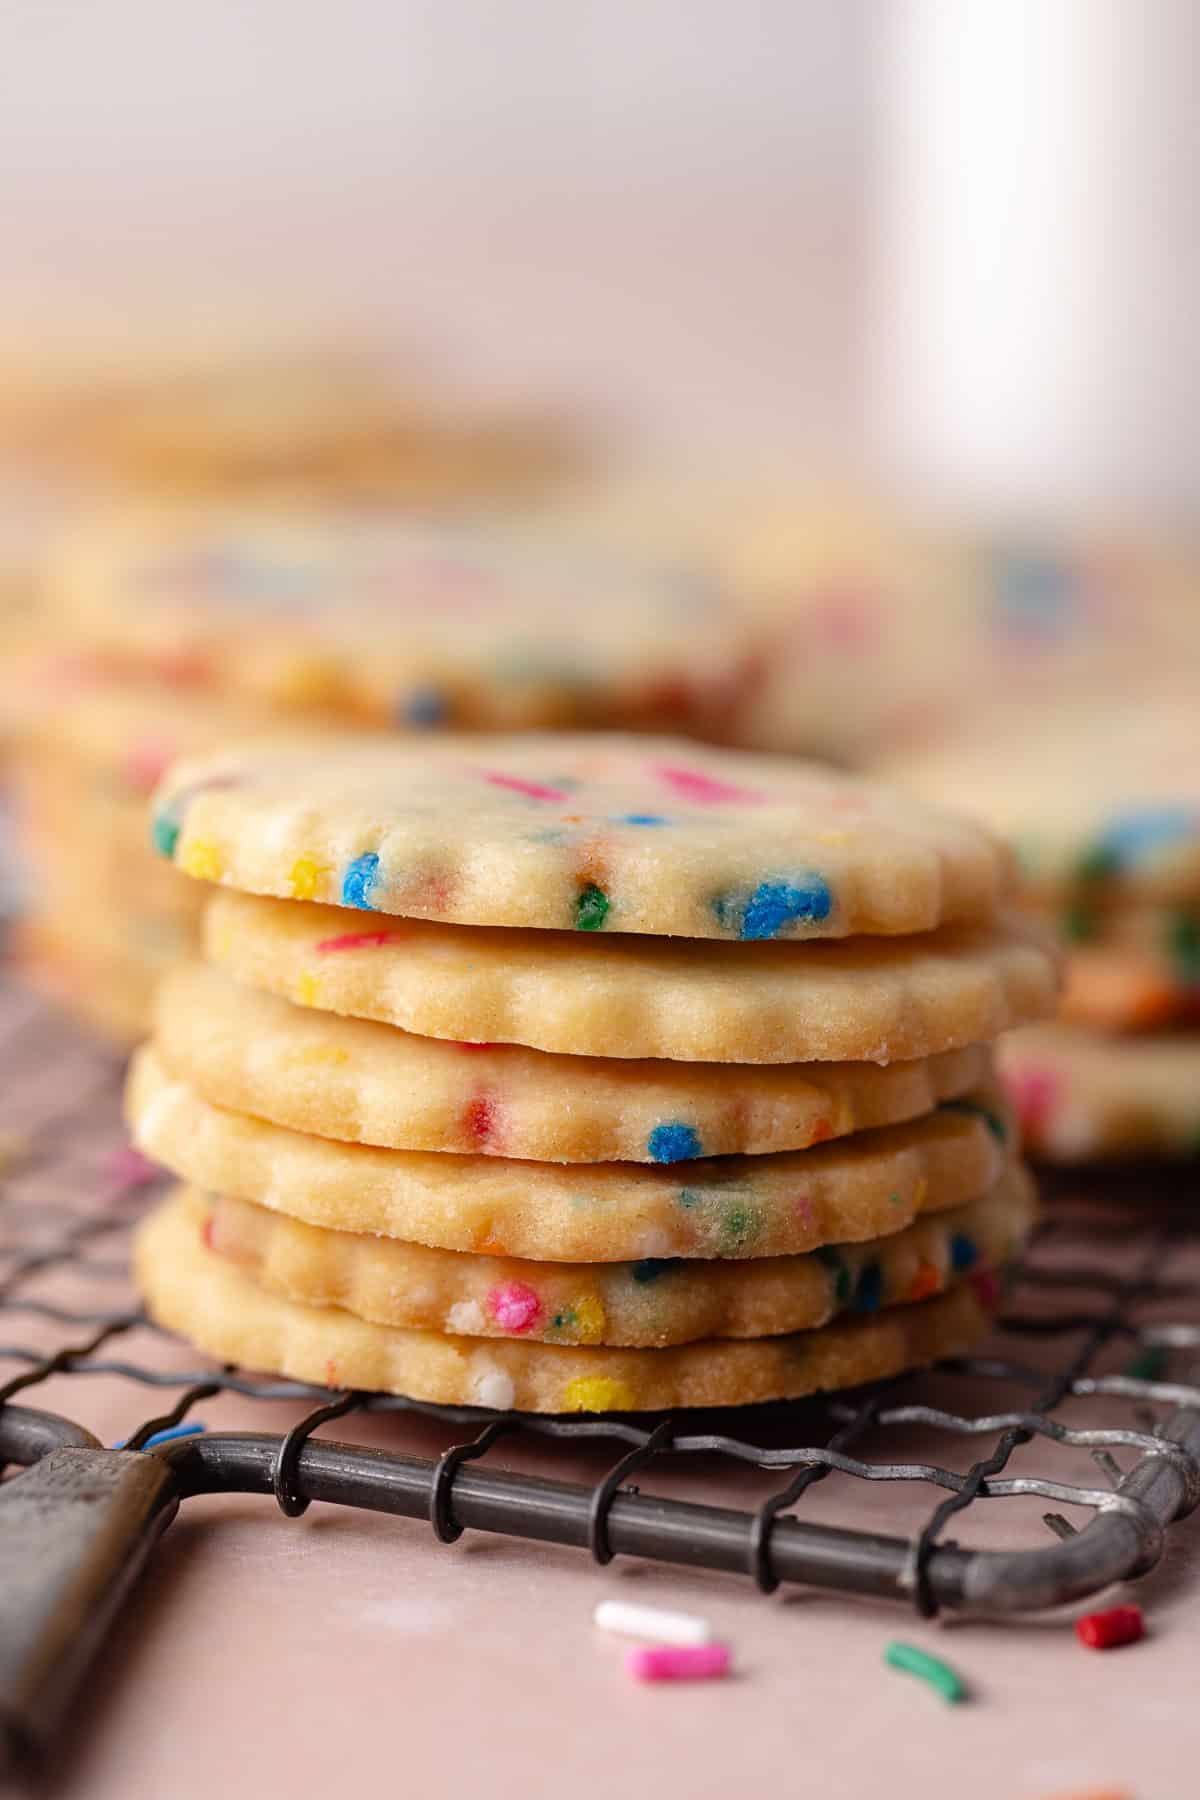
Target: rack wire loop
{"x":606,"y":1492}
{"x":291,"y":1502}
{"x":446,"y":1528}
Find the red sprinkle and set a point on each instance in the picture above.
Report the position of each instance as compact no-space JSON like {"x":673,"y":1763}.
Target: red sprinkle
{"x":359,"y":940}
{"x":481,"y":1118}
{"x":673,"y":1662}
{"x":1108,"y":1630}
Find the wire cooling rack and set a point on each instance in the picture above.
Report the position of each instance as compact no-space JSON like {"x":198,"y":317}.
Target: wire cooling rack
{"x":1093,"y":1360}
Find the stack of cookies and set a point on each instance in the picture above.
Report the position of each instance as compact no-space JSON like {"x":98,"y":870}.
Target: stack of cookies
{"x":580,"y":1073}
{"x":1103,"y":803}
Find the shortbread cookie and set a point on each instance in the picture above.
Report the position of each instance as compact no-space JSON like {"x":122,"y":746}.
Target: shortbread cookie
{"x":1122,"y":988}
{"x":613,"y":833}
{"x":866,"y":1001}
{"x":655,"y":1302}
{"x":384,"y":617}
{"x":860,"y":1187}
{"x":1131,"y":968}
{"x":1087,"y":1098}
{"x":1102,"y":799}
{"x":372,"y":1084}
{"x":189,"y":1290}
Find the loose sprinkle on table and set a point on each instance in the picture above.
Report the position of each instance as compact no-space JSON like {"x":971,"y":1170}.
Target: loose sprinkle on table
{"x":930,"y":1669}
{"x":667,"y":1662}
{"x":1109,"y":1630}
{"x":684,"y":1630}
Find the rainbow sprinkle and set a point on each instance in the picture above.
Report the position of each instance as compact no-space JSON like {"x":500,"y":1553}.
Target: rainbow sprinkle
{"x":591,"y":908}
{"x":359,"y":880}
{"x":930,"y":1669}
{"x":675,"y":1142}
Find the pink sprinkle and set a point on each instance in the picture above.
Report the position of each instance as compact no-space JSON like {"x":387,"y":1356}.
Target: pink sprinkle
{"x":532,"y":789}
{"x":690,"y":784}
{"x":514,"y":1306}
{"x":670,"y":1662}
{"x":146,"y":762}
{"x":359,"y":940}
{"x":1034,"y":1093}
{"x":130,"y":1169}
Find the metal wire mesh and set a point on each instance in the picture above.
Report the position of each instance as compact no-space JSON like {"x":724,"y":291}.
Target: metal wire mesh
{"x":1093,"y":1361}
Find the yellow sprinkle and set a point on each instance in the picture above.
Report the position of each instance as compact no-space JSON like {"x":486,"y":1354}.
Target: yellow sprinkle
{"x":304,"y":877}
{"x":307,"y":987}
{"x":598,"y":1393}
{"x":320,"y":1053}
{"x":589,"y":1317}
{"x":203,"y":860}
{"x":309,"y":680}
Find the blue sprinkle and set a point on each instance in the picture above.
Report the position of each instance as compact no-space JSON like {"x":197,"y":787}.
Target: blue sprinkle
{"x":774,"y":904}
{"x":359,"y":880}
{"x":164,"y":833}
{"x":192,"y":1429}
{"x":641,"y":819}
{"x":963,"y":1254}
{"x":424,"y":706}
{"x":688,"y":1197}
{"x":869,"y":1289}
{"x":1034,"y":595}
{"x":651,"y":1267}
{"x":673,"y":1143}
{"x":1126,"y":840}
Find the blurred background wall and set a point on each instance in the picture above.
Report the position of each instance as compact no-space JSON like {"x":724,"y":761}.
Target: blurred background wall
{"x":652,"y":210}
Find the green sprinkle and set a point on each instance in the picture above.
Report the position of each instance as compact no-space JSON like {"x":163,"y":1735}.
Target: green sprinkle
{"x":688,"y":1197}
{"x":939,"y":1675}
{"x":840,"y":1274}
{"x":164,"y":834}
{"x":1077,"y":924}
{"x":1183,"y":947}
{"x":973,"y":1109}
{"x":741,"y":1223}
{"x":1148,"y":1364}
{"x":1097,"y":864}
{"x":591,"y":909}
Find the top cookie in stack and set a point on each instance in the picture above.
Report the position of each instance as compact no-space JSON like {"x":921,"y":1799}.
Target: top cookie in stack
{"x":652,"y":1062}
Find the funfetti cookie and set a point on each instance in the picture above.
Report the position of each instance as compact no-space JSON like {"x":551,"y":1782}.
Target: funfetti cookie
{"x":591,"y":833}
{"x":1083,"y":1097}
{"x":369,"y":1083}
{"x":191,"y":1290}
{"x":1131,"y":968}
{"x":389,"y":619}
{"x":652,"y":1303}
{"x":579,"y":993}
{"x":1100,"y":797}
{"x":851,"y":1189}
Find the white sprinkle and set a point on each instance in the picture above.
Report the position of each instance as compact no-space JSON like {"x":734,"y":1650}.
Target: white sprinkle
{"x":494,"y":1388}
{"x":649,"y":1622}
{"x":465,"y":1319}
